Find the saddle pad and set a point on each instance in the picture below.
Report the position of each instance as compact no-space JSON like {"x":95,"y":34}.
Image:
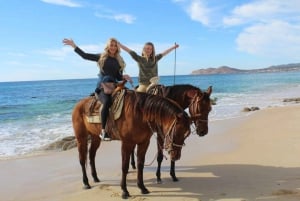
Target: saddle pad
{"x":93,"y":119}
{"x":115,"y":109}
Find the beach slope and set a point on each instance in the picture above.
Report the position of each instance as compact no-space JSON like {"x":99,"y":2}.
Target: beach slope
{"x":250,"y":158}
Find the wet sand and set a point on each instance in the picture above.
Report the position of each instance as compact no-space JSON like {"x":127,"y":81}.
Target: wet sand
{"x":250,"y":158}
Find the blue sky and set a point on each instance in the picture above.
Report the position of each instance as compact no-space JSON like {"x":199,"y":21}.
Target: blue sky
{"x":245,"y":34}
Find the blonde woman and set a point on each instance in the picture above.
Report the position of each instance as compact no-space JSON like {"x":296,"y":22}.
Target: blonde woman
{"x":147,"y":63}
{"x":111,"y":66}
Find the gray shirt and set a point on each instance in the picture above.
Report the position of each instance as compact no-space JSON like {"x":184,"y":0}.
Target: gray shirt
{"x":147,"y":68}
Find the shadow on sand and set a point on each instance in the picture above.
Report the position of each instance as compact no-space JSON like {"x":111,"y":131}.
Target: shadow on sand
{"x":232,"y":182}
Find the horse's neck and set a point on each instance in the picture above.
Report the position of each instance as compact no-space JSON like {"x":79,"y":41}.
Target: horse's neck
{"x":179,"y":96}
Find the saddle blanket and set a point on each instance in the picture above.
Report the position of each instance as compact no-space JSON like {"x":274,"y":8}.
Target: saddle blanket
{"x":93,"y":119}
{"x":115,"y":109}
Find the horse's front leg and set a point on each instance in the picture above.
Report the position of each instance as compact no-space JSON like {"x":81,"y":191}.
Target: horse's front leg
{"x":126,"y":152}
{"x":132,"y":160}
{"x":172,"y":171}
{"x":82,"y":149}
{"x":95,"y":143}
{"x":159,"y":142}
{"x":141,"y":152}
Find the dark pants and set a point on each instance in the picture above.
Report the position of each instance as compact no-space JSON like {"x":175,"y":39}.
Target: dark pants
{"x":106,"y":101}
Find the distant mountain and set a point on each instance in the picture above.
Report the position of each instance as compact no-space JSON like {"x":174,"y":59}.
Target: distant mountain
{"x":230,"y":70}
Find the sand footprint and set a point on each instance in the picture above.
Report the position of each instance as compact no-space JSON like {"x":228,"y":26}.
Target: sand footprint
{"x":284,"y":192}
{"x":104,"y":187}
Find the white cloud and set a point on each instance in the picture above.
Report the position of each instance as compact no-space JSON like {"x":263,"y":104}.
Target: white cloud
{"x":256,"y":11}
{"x":129,"y":19}
{"x":68,"y":3}
{"x":124,"y":18}
{"x":198,"y":12}
{"x":277,"y":38}
{"x":269,"y":27}
{"x":263,"y":11}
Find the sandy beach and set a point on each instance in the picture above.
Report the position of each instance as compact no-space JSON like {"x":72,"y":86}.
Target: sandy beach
{"x":250,"y":158}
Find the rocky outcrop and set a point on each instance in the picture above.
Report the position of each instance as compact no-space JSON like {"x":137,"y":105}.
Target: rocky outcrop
{"x":296,"y":100}
{"x":249,"y":109}
{"x":230,"y":70}
{"x":220,"y":70}
{"x":63,"y":144}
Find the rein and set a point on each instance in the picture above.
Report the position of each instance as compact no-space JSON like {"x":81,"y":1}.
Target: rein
{"x":169,"y":136}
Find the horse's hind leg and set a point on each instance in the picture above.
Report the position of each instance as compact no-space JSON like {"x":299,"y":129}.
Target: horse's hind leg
{"x":95,"y":143}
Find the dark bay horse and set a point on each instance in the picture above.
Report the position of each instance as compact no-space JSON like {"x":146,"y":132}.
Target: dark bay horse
{"x":140,"y":115}
{"x":187,"y":96}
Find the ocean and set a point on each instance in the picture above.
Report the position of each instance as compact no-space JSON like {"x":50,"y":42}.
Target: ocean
{"x":36,"y":113}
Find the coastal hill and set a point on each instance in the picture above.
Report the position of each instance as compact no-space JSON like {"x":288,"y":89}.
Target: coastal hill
{"x":230,"y":70}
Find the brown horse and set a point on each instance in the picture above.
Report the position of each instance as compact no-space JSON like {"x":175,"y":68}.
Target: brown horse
{"x":187,"y":96}
{"x":140,"y":115}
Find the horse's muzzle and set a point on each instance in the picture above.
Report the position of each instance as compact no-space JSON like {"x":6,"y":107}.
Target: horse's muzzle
{"x":202,"y":131}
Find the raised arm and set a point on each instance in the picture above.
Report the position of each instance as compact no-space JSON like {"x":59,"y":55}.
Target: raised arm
{"x":84,"y":55}
{"x":170,"y":49}
{"x":124,"y":47}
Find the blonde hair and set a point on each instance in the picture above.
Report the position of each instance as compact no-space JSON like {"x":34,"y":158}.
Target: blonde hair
{"x":153,"y":51}
{"x":105,"y":54}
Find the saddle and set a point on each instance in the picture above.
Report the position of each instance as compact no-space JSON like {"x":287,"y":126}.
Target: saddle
{"x":156,"y":89}
{"x":94,"y":106}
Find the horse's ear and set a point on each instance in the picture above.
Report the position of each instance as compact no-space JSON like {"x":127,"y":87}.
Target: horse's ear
{"x":209,"y":90}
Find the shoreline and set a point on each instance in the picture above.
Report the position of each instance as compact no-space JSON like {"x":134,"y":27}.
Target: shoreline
{"x":249,"y":158}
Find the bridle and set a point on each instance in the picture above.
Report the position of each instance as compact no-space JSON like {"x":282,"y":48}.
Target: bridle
{"x":193,"y":106}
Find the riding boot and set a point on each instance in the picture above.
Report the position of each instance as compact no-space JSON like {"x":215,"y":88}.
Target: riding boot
{"x":105,"y":136}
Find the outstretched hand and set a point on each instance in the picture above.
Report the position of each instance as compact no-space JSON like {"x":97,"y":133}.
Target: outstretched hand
{"x":69,"y":42}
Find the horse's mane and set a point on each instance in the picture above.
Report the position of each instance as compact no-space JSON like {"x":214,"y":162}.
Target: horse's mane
{"x":173,"y":90}
{"x":180,"y":89}
{"x":155,"y":108}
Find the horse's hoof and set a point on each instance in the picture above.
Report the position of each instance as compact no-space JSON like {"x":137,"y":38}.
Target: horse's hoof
{"x":96,"y":180}
{"x":133,"y":167}
{"x":175,"y":179}
{"x":159,"y":181}
{"x":145,"y":191}
{"x":87,"y":186}
{"x":125,"y":195}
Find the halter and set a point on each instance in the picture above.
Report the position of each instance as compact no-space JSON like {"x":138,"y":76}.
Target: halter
{"x":193,"y":107}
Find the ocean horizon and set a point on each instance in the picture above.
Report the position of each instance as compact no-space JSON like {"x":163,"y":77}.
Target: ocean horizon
{"x":34,"y":114}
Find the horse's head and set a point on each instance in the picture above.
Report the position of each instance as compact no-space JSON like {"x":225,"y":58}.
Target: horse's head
{"x":179,"y":131}
{"x":199,"y":109}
